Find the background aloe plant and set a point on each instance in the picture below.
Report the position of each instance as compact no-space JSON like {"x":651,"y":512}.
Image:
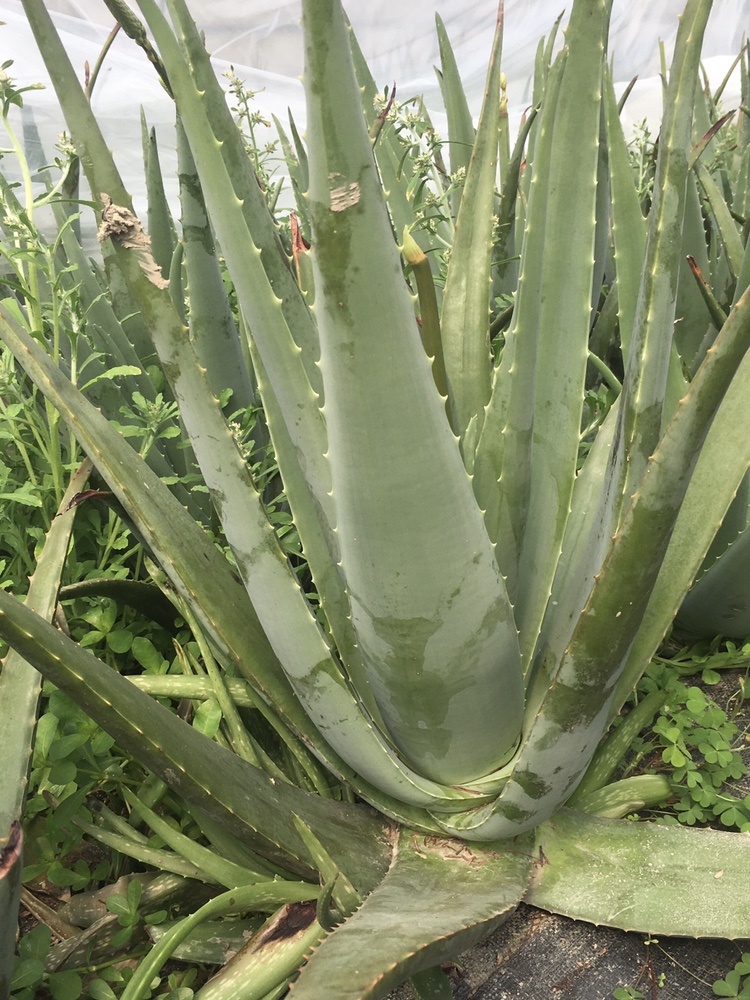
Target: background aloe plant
{"x":479,"y":607}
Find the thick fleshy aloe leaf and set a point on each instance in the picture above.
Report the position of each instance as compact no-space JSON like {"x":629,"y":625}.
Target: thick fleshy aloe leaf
{"x":572,"y":711}
{"x":193,"y":563}
{"x":571,"y":704}
{"x":271,"y":302}
{"x":719,"y":603}
{"x":643,"y":877}
{"x":646,"y":307}
{"x":429,"y":607}
{"x":564,"y":314}
{"x":510,"y":210}
{"x":725,"y":457}
{"x":293,"y":635}
{"x":647,"y":273}
{"x":290,"y":628}
{"x":212,"y":327}
{"x":460,"y":122}
{"x":642,"y":410}
{"x":631,"y":234}
{"x":244,"y":228}
{"x":505,"y":438}
{"x":465,"y":317}
{"x":693,"y":331}
{"x":206,"y":582}
{"x":292,"y":410}
{"x":727,"y":227}
{"x":438,"y":899}
{"x":538,"y":391}
{"x":262,"y":969}
{"x":224,"y":787}
{"x":160,"y":223}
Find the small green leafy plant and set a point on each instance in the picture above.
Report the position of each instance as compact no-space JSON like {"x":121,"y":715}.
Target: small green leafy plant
{"x":736,"y":984}
{"x":700,"y":744}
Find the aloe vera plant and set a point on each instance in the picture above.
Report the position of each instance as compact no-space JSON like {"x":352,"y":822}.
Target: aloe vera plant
{"x":485,"y":608}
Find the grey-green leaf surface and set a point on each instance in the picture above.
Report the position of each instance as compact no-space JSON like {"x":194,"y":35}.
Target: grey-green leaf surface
{"x":160,"y":224}
{"x":570,"y":707}
{"x":564,"y":312}
{"x":724,"y":458}
{"x":465,"y":317}
{"x":644,"y":877}
{"x":460,"y":122}
{"x":584,"y":682}
{"x":642,"y":410}
{"x":429,"y":607}
{"x":438,"y":899}
{"x":212,"y":327}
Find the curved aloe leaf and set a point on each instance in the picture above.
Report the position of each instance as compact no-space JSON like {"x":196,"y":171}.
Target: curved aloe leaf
{"x":212,"y":326}
{"x":316,"y":677}
{"x":465,"y":318}
{"x":429,"y":607}
{"x":643,"y":877}
{"x":571,"y":709}
{"x":438,"y":899}
{"x":647,"y":278}
{"x":283,"y":612}
{"x":252,"y":248}
{"x":206,"y":582}
{"x":642,"y":413}
{"x":725,"y":457}
{"x":730,"y":237}
{"x":719,"y":603}
{"x":505,"y":438}
{"x":693,"y":332}
{"x":292,"y":408}
{"x":533,"y":420}
{"x":244,"y":228}
{"x":564,"y":313}
{"x":505,"y":274}
{"x":160,"y":226}
{"x":460,"y":122}
{"x":571,"y":703}
{"x":272,"y":956}
{"x":214,"y":780}
{"x":368,"y":755}
{"x":188,"y":556}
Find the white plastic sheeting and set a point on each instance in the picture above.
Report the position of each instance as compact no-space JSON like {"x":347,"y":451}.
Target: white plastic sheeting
{"x":262,"y":40}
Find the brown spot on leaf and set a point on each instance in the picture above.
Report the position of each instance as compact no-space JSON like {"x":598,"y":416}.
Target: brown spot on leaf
{"x":450,"y":849}
{"x":85,"y":495}
{"x":345,"y":196}
{"x":10,"y":854}
{"x":122,"y":227}
{"x":290,"y":920}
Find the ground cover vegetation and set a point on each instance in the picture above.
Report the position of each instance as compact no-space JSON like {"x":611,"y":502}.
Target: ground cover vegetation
{"x":387,"y":505}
